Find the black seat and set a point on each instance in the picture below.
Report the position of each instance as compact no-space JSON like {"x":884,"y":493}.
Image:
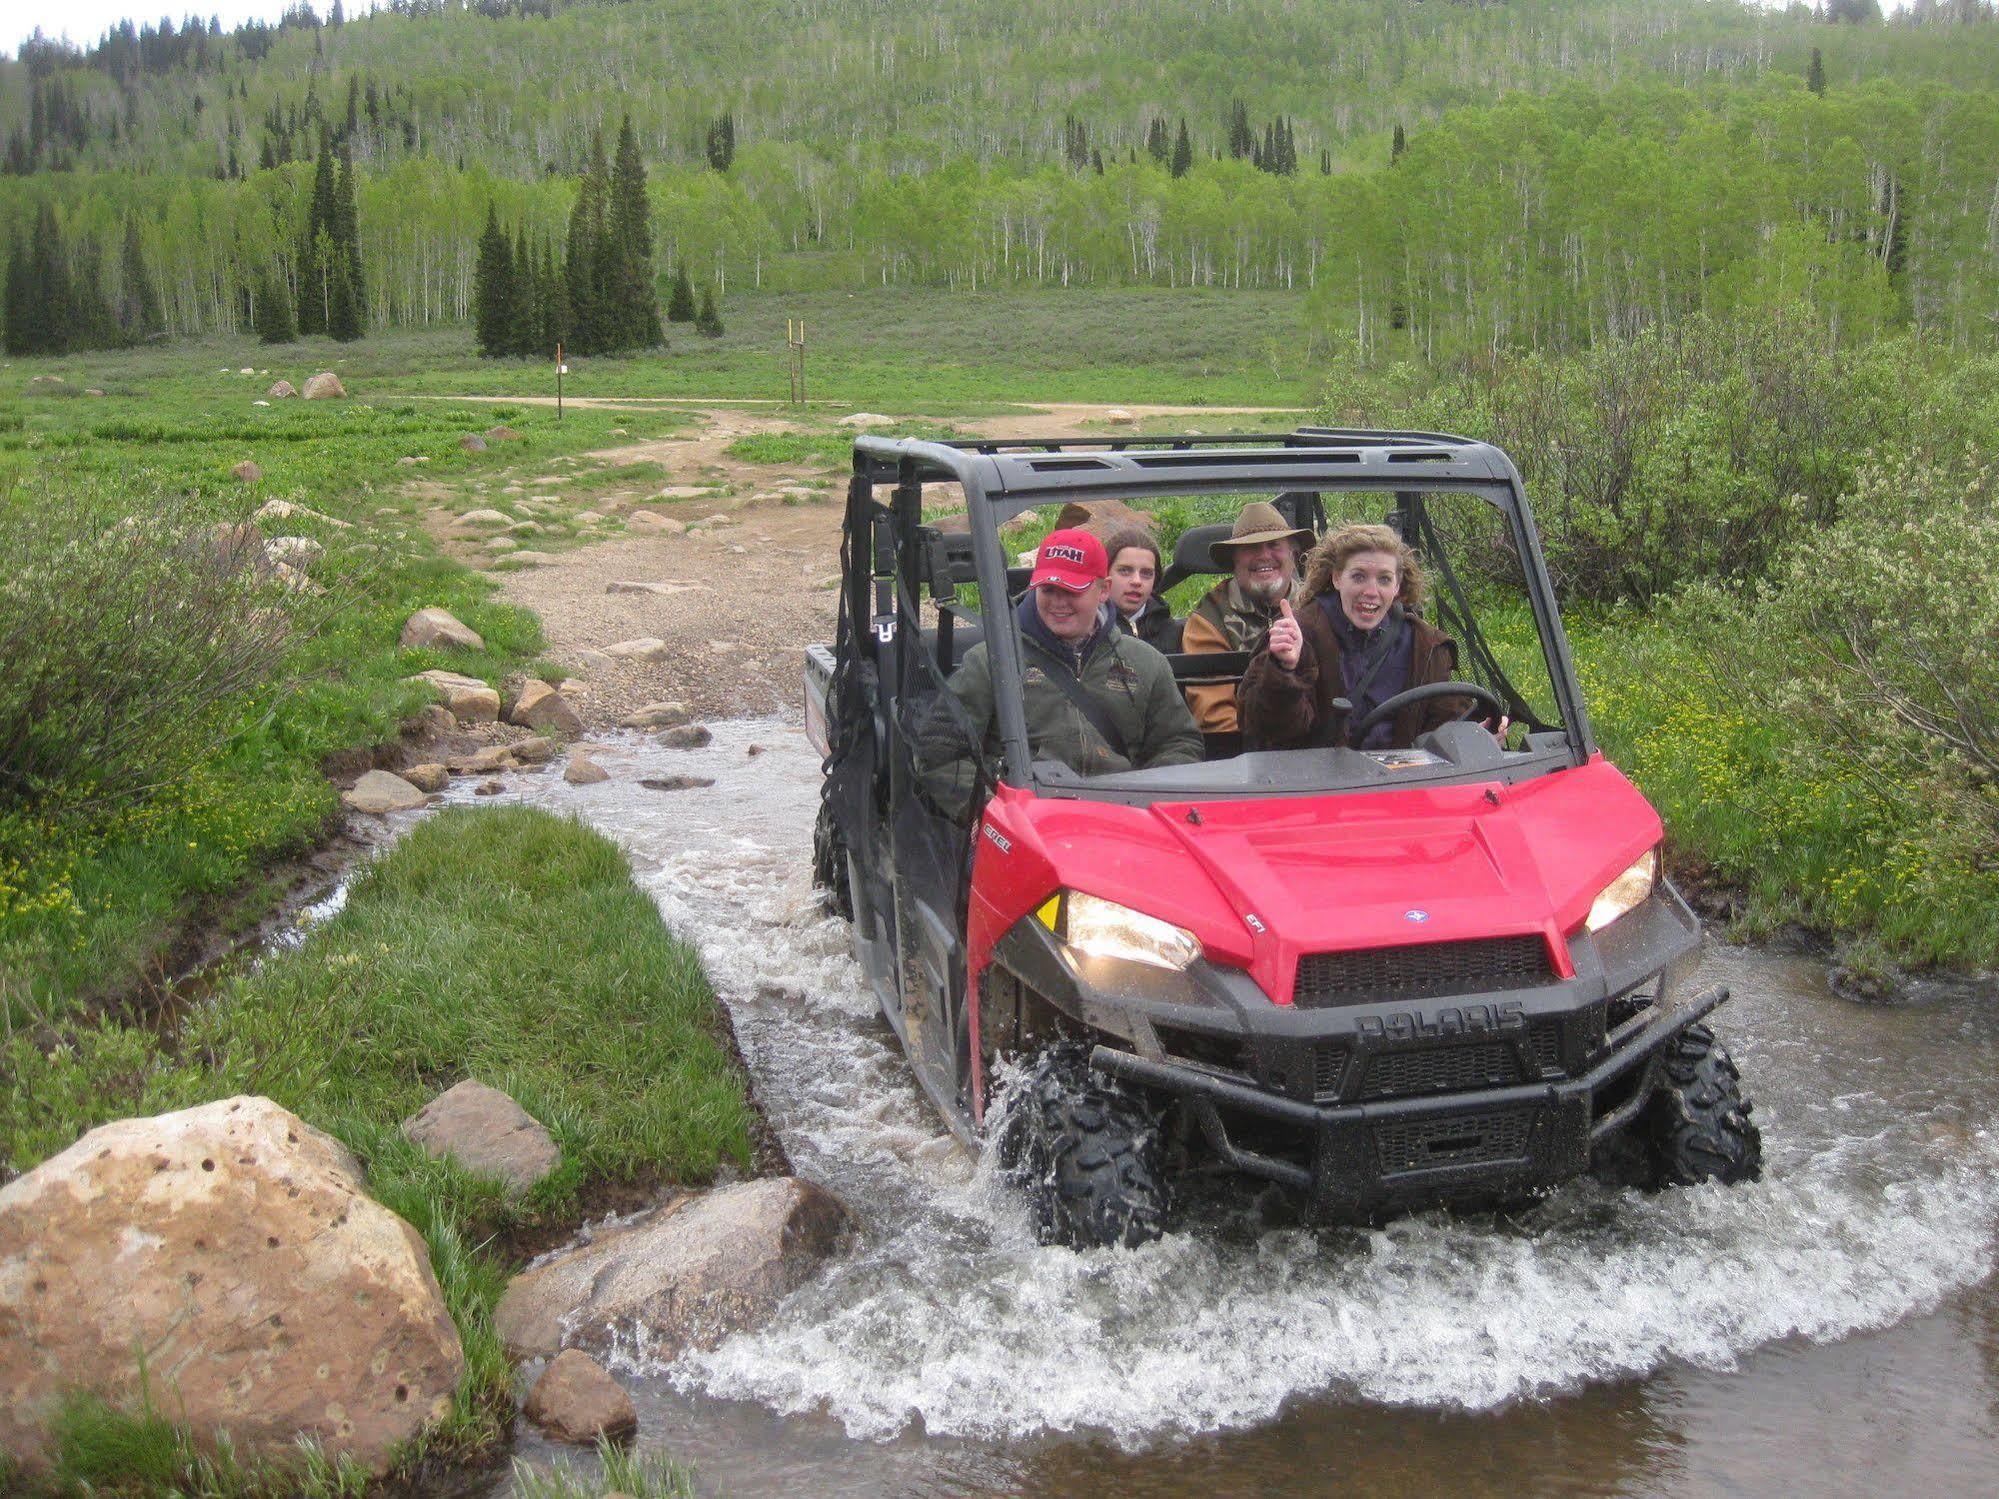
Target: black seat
{"x":1192,"y":553}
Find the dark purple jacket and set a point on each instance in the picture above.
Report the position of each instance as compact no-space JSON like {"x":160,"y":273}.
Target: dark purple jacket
{"x":1292,"y":709}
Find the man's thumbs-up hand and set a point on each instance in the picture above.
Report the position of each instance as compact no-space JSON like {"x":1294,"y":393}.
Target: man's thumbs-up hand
{"x":1287,"y":639}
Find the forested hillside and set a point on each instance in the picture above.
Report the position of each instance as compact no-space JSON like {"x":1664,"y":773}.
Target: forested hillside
{"x":1539,"y":173}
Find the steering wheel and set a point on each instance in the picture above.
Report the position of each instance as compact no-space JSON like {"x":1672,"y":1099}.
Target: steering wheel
{"x":1391,"y":706}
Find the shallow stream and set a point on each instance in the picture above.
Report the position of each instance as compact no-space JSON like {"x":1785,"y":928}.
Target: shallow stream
{"x":1832,"y":1329}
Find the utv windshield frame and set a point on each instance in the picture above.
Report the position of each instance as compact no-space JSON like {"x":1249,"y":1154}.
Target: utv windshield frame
{"x":1000,"y":478}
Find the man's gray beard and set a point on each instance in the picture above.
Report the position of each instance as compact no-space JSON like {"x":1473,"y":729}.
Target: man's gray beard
{"x":1266,"y":593}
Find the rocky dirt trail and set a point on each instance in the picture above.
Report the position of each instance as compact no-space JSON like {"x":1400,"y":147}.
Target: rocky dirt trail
{"x":723,"y":573}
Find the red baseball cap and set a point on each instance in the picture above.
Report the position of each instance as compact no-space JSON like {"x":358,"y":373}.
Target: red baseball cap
{"x":1070,"y":559}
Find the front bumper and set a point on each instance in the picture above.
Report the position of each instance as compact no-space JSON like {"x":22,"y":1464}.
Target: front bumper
{"x":1363,"y":1158}
{"x":1386,"y":1103}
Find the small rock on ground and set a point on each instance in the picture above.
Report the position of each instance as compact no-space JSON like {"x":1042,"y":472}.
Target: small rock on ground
{"x":576,"y":1401}
{"x":687,"y":736}
{"x":488,"y":788}
{"x":472,"y":442}
{"x":540,"y":706}
{"x":427,"y":777}
{"x":486,"y":1132}
{"x":430,"y":628}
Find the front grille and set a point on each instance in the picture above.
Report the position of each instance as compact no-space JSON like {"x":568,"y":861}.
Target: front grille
{"x":1544,"y":1044}
{"x":1329,"y":1065}
{"x":1442,"y":1069}
{"x":1468,"y":1140}
{"x":1424,"y":970}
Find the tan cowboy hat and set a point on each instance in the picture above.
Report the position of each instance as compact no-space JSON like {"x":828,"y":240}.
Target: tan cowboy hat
{"x":1260,"y":521}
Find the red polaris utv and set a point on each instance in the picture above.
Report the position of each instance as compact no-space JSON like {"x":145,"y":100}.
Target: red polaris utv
{"x":1384,"y":979}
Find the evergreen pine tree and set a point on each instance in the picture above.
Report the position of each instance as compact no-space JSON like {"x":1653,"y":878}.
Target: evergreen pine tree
{"x":708,"y":321}
{"x":274,"y":321}
{"x":557,"y":328}
{"x":1183,"y":152}
{"x":347,"y":227}
{"x":493,"y":289}
{"x":721,"y":143}
{"x":1242,"y":139}
{"x":139,"y":311}
{"x":680,"y":305}
{"x":631,"y":232}
{"x":584,"y":256}
{"x":524,"y":331}
{"x":45,"y":316}
{"x":1156,"y":144}
{"x":1326,"y":162}
{"x":1397,"y":145}
{"x":314,"y":266}
{"x":343,"y":302}
{"x":1815,"y":77}
{"x":22,"y":296}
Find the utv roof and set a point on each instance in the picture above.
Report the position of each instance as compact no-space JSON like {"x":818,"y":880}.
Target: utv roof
{"x":1025,"y":468}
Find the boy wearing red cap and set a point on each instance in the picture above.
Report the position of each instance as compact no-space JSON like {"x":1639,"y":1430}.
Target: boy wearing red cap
{"x":1135,"y":717}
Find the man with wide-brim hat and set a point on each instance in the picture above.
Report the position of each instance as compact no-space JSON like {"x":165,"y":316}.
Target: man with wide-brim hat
{"x":1260,"y":557}
{"x":1095,"y":697}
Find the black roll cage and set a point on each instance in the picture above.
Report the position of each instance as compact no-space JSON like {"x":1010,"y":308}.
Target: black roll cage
{"x":1001,"y":477}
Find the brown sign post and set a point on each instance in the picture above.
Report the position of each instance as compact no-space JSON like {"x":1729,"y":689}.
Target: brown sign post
{"x":794,"y":333}
{"x":561,"y":369}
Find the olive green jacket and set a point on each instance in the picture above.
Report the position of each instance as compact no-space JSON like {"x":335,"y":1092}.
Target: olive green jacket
{"x":1126,"y":675}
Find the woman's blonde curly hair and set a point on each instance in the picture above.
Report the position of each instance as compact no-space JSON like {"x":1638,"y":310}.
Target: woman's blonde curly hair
{"x":1325,"y":561}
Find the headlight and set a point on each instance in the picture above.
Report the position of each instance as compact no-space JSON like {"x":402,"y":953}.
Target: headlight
{"x":1104,"y":929}
{"x":1625,"y":892}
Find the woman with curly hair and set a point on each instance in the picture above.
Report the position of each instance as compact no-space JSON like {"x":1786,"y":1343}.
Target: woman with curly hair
{"x":1356,"y":639}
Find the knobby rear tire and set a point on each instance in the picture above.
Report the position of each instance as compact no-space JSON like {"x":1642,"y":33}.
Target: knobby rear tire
{"x":1086,"y":1152}
{"x":829,"y":865}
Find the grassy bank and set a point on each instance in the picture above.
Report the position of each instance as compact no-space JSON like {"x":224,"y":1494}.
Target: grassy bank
{"x":503,"y":944}
{"x":94,"y":897}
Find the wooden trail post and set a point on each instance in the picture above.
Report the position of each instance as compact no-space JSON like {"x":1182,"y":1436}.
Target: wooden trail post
{"x":794,"y":334}
{"x":561,"y":369}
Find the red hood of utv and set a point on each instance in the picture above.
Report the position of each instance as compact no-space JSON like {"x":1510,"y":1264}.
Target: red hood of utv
{"x":1262,"y":882}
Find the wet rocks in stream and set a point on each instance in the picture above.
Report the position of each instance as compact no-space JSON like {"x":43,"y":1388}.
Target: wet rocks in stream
{"x":380,"y":792}
{"x":234,"y":1244}
{"x":687,"y":736}
{"x":574,"y":1400}
{"x":686,"y":1275}
{"x":676,"y":783}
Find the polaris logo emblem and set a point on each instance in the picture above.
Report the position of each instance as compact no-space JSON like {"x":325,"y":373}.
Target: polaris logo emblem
{"x":998,"y":839}
{"x":1419,"y":917}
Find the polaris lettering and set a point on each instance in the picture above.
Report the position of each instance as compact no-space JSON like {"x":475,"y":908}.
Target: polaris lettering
{"x":1453,"y":1020}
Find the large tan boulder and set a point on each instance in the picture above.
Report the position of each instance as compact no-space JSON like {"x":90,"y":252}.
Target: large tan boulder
{"x":473,"y":520}
{"x":233,"y":1244}
{"x":576,"y":1401}
{"x":485,"y":1131}
{"x":282,"y":390}
{"x":685,"y":1276}
{"x":431,"y":629}
{"x":324,"y":387}
{"x":540,"y":706}
{"x":381,"y":792}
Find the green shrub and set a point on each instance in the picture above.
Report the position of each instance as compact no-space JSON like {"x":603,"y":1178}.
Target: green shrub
{"x":135,"y":634}
{"x":1876,"y":636}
